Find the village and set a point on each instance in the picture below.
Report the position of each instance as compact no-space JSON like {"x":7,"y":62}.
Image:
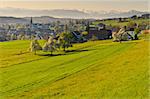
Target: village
{"x":81,"y":30}
{"x":74,"y":49}
{"x":58,"y":34}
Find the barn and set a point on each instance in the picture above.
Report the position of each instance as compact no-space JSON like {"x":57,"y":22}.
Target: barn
{"x":99,"y":31}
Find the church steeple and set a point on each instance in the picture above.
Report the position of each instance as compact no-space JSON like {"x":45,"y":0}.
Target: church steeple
{"x":31,"y":21}
{"x":31,"y":24}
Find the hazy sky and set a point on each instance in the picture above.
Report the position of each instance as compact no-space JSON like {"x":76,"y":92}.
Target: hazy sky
{"x":95,"y":5}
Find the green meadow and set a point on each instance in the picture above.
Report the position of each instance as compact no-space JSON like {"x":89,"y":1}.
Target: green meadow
{"x":92,"y":70}
{"x":116,"y":23}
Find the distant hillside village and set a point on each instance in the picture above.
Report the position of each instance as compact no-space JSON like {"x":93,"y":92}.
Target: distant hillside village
{"x":81,"y":30}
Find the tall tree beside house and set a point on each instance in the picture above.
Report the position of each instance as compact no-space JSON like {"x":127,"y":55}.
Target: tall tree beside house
{"x":66,"y":29}
{"x":50,"y":45}
{"x":88,"y":27}
{"x":65,"y":40}
{"x":58,"y":43}
{"x":57,"y":28}
{"x":34,"y":46}
{"x":136,"y":31}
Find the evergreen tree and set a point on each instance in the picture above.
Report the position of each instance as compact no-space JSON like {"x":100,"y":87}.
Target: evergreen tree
{"x":136,"y":31}
{"x":65,"y":40}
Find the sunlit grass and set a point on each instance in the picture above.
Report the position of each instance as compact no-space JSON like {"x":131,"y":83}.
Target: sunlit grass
{"x":101,"y":69}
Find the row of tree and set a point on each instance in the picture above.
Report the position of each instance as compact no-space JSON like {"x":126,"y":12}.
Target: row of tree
{"x":63,"y":40}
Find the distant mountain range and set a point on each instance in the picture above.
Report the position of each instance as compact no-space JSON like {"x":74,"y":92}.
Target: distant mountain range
{"x":26,"y":20}
{"x":8,"y":15}
{"x":62,"y":13}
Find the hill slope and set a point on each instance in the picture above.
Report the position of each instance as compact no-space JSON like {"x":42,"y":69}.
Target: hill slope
{"x":26,"y":20}
{"x":100,"y":69}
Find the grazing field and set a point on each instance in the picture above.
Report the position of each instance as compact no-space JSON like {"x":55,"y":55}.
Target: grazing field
{"x":96,"y":69}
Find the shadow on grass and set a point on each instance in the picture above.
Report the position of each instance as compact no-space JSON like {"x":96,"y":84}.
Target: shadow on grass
{"x":70,"y":51}
{"x":50,"y":54}
{"x":21,"y":52}
{"x":67,"y":52}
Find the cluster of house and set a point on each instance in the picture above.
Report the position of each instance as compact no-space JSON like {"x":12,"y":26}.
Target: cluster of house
{"x":27,"y":31}
{"x":38,"y":30}
{"x":100,"y":32}
{"x":43,"y":31}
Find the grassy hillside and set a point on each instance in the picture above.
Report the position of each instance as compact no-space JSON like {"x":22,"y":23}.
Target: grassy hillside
{"x":116,"y":23}
{"x":99,"y":69}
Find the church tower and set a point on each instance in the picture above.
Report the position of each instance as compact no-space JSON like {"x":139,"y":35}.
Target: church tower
{"x":31,"y":21}
{"x":31,"y":24}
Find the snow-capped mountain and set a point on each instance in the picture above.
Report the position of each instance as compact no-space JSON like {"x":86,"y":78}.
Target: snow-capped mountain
{"x":63,"y":13}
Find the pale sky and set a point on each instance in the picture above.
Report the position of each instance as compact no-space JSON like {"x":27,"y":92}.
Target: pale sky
{"x":94,"y":5}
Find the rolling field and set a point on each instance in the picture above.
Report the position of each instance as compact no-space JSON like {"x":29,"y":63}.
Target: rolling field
{"x":91,"y":70}
{"x":115,"y":22}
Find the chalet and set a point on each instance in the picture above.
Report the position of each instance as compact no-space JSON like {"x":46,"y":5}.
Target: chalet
{"x":99,"y":31}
